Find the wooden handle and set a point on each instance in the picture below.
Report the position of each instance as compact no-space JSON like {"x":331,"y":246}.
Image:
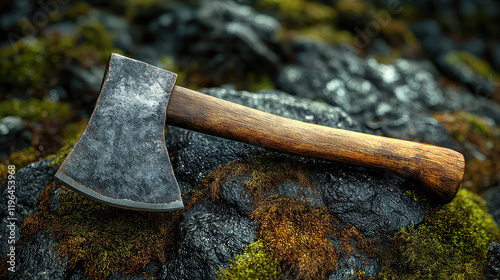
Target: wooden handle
{"x":439,"y":170}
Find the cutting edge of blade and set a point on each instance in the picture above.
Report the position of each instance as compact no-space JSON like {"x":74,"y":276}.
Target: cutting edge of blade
{"x":121,"y":203}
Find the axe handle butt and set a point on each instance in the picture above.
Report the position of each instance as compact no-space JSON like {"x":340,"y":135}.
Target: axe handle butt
{"x":437,"y":170}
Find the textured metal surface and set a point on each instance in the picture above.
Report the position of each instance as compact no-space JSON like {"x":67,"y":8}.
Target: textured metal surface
{"x":121,"y":158}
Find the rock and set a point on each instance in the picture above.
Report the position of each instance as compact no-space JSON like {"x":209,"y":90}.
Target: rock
{"x":226,"y":37}
{"x":30,"y":182}
{"x":210,"y":235}
{"x":492,"y":197}
{"x":83,"y":84}
{"x":14,"y":136}
{"x":462,"y":72}
{"x":38,"y":260}
{"x":11,"y":17}
{"x":474,"y":46}
{"x":350,"y":268}
{"x":495,"y":57}
{"x":493,"y":267}
{"x":393,"y":99}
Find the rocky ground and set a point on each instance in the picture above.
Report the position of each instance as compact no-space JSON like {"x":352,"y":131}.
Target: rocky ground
{"x":416,"y":70}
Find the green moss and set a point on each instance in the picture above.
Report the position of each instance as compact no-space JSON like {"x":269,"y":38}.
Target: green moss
{"x":96,"y":42}
{"x":102,"y":240}
{"x":36,"y":63}
{"x":35,"y":109}
{"x":256,"y":262}
{"x":451,"y":243}
{"x":24,"y":63}
{"x":417,"y":196}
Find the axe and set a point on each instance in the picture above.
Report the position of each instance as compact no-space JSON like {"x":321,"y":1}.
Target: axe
{"x":121,"y":158}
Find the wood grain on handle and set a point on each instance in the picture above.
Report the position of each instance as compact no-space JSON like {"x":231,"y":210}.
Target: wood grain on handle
{"x":439,"y":170}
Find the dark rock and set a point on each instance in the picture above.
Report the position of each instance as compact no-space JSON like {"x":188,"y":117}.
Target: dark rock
{"x":351,"y":267}
{"x":495,"y":57}
{"x":14,"y":136}
{"x":463,"y":73}
{"x":30,"y":182}
{"x":17,"y":11}
{"x":37,"y":259}
{"x":66,"y":28}
{"x":227,"y":37}
{"x":492,"y":197}
{"x":493,"y":267}
{"x":427,"y":28}
{"x":474,"y":46}
{"x":393,"y":99}
{"x":83,"y":85}
{"x":209,"y":236}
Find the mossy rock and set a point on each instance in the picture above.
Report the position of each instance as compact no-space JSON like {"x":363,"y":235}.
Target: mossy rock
{"x":451,"y":243}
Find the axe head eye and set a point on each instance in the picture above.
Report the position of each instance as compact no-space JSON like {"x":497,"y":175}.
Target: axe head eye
{"x":121,"y":158}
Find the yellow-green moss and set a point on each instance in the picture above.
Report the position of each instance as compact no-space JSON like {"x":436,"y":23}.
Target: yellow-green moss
{"x":100,"y":239}
{"x":478,"y":65}
{"x":256,"y":262}
{"x":19,"y":160}
{"x":34,"y":109}
{"x":24,"y":63}
{"x":301,"y":12}
{"x":451,"y":243}
{"x":296,"y":233}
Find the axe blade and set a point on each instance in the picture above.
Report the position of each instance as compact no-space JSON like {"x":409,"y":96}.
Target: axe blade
{"x":121,"y":158}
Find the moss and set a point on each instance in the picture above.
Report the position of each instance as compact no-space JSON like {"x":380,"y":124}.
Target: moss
{"x":481,"y":143}
{"x":259,"y":82}
{"x":19,"y":160}
{"x":35,"y":109}
{"x":297,"y":234}
{"x":97,"y":42}
{"x":301,"y":12}
{"x":256,"y":262}
{"x":36,"y":63}
{"x":451,"y":243}
{"x":479,"y":66}
{"x":98,"y":239}
{"x":78,"y":9}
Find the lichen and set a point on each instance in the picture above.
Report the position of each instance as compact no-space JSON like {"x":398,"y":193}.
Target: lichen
{"x":256,"y":262}
{"x":451,"y":243}
{"x":99,"y":239}
{"x":297,"y":233}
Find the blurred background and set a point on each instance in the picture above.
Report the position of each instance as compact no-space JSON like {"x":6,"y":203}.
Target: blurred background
{"x":53,"y":55}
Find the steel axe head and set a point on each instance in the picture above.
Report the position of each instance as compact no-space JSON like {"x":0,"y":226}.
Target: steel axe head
{"x":121,"y":158}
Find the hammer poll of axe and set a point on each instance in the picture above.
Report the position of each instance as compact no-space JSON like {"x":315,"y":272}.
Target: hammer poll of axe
{"x":121,"y":158}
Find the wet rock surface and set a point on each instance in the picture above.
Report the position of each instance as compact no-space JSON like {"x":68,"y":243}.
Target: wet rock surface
{"x":29,"y":184}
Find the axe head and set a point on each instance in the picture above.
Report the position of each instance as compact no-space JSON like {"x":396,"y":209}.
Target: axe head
{"x":121,"y":158}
